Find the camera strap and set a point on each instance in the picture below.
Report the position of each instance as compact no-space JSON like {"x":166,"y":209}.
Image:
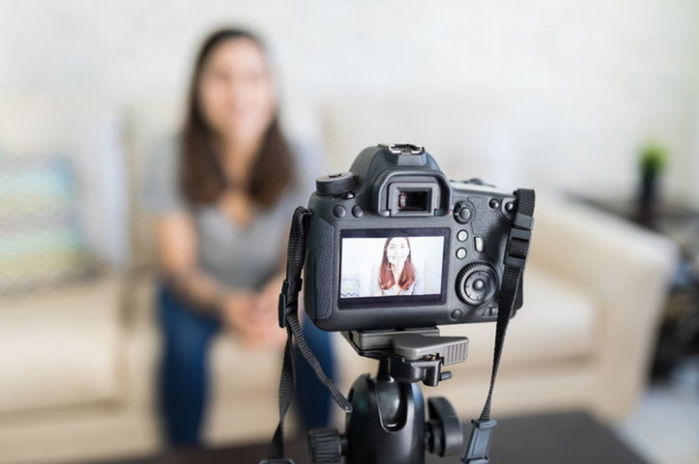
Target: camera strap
{"x":478,"y":449}
{"x":288,"y":319}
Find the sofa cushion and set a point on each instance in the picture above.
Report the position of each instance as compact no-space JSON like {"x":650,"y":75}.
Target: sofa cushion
{"x":61,"y":347}
{"x":41,"y":243}
{"x":557,"y":323}
{"x":87,"y":128}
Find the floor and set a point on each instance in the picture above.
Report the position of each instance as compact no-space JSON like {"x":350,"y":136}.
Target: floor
{"x":665,"y":427}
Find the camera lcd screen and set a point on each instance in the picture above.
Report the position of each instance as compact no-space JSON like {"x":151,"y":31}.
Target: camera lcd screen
{"x":392,"y":265}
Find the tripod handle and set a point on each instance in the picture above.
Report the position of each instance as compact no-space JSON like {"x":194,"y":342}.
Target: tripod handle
{"x":325,"y":445}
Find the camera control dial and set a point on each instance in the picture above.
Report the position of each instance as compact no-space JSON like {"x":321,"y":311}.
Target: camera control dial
{"x":336,"y":184}
{"x":476,"y":284}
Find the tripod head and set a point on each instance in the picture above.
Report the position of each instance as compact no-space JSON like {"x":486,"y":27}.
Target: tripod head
{"x":387,"y":424}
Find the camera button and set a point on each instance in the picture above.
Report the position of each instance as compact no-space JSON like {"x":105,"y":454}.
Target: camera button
{"x":478,"y":243}
{"x":357,"y":211}
{"x":463,"y":212}
{"x":461,"y":253}
{"x":456,"y":314}
{"x":339,"y":211}
{"x":462,"y":235}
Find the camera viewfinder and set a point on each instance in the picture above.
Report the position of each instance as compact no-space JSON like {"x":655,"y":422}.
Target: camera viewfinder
{"x":414,"y":201}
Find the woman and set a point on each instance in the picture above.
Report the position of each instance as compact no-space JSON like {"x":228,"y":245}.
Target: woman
{"x":396,"y":274}
{"x":222,"y":195}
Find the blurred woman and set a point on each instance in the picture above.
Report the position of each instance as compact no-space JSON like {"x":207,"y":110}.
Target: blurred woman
{"x":223,"y":193}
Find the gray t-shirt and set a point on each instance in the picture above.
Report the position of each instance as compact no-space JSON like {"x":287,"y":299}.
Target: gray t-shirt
{"x":240,"y":257}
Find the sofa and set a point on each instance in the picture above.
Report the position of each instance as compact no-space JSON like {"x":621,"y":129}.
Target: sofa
{"x":78,"y":363}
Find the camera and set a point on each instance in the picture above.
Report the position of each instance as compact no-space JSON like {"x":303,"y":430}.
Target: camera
{"x":394,"y":244}
{"x":390,"y":250}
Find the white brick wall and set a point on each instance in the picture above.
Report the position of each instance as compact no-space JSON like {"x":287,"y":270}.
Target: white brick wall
{"x":579,"y":84}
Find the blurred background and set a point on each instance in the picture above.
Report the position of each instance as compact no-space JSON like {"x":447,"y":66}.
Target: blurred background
{"x":595,"y":104}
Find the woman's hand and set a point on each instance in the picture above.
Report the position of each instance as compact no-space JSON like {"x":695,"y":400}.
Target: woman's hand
{"x":266,"y":311}
{"x":237,"y":314}
{"x":253,"y":317}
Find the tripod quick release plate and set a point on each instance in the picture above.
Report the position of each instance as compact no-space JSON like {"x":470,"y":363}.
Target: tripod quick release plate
{"x":411,"y":355}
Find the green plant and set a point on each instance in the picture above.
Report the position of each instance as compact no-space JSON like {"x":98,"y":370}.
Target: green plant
{"x":653,"y":158}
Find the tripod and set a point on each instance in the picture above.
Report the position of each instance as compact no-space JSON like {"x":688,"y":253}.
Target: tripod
{"x":387,"y":424}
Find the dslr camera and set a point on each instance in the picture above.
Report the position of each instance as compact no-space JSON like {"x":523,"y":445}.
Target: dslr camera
{"x":393,"y":244}
{"x":390,"y":250}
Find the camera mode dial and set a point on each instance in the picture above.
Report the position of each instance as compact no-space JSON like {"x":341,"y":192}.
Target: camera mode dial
{"x":336,"y":184}
{"x":476,"y":284}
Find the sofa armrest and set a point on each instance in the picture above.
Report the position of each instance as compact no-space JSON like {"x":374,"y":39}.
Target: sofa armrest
{"x":627,"y":269}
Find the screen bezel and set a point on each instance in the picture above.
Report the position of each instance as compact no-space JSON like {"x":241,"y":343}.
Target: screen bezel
{"x":397,"y":300}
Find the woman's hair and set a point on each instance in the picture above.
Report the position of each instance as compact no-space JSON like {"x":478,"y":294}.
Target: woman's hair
{"x":407,"y":277}
{"x":202,"y":179}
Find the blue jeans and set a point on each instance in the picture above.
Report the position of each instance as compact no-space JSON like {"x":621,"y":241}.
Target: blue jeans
{"x":184,"y":372}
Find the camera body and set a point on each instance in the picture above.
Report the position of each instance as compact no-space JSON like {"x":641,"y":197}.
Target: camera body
{"x":394,"y":244}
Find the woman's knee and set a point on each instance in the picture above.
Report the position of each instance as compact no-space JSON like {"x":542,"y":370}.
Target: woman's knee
{"x":186,"y":336}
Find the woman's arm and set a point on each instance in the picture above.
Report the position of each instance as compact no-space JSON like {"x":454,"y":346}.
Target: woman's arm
{"x":176,"y":248}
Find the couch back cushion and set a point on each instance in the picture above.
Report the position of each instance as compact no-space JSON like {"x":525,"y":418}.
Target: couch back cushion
{"x":87,"y":129}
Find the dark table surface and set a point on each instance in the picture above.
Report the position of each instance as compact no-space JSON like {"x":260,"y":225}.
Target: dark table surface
{"x":561,"y":438}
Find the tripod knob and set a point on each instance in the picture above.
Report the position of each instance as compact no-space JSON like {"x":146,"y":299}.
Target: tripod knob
{"x":444,"y":432}
{"x":325,"y":445}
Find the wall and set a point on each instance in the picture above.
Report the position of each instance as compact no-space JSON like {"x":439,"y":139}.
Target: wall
{"x":578,"y":85}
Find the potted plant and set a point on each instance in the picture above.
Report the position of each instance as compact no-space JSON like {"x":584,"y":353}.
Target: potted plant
{"x":653,"y":160}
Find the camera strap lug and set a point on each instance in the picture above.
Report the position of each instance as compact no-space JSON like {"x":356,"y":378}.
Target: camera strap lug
{"x":289,"y":294}
{"x":519,"y":239}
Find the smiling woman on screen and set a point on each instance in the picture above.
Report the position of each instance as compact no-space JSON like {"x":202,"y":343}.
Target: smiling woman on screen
{"x":396,"y":274}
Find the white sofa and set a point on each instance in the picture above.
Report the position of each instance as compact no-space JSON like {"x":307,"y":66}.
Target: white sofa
{"x":78,"y":365}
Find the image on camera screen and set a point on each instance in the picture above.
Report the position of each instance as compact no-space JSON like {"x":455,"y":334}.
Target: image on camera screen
{"x":392,"y":263}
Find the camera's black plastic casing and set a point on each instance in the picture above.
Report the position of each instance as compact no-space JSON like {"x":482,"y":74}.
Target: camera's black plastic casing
{"x":401,"y":189}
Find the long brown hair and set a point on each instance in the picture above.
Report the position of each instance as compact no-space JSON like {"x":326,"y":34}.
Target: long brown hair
{"x":202,"y":179}
{"x":407,"y":277}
